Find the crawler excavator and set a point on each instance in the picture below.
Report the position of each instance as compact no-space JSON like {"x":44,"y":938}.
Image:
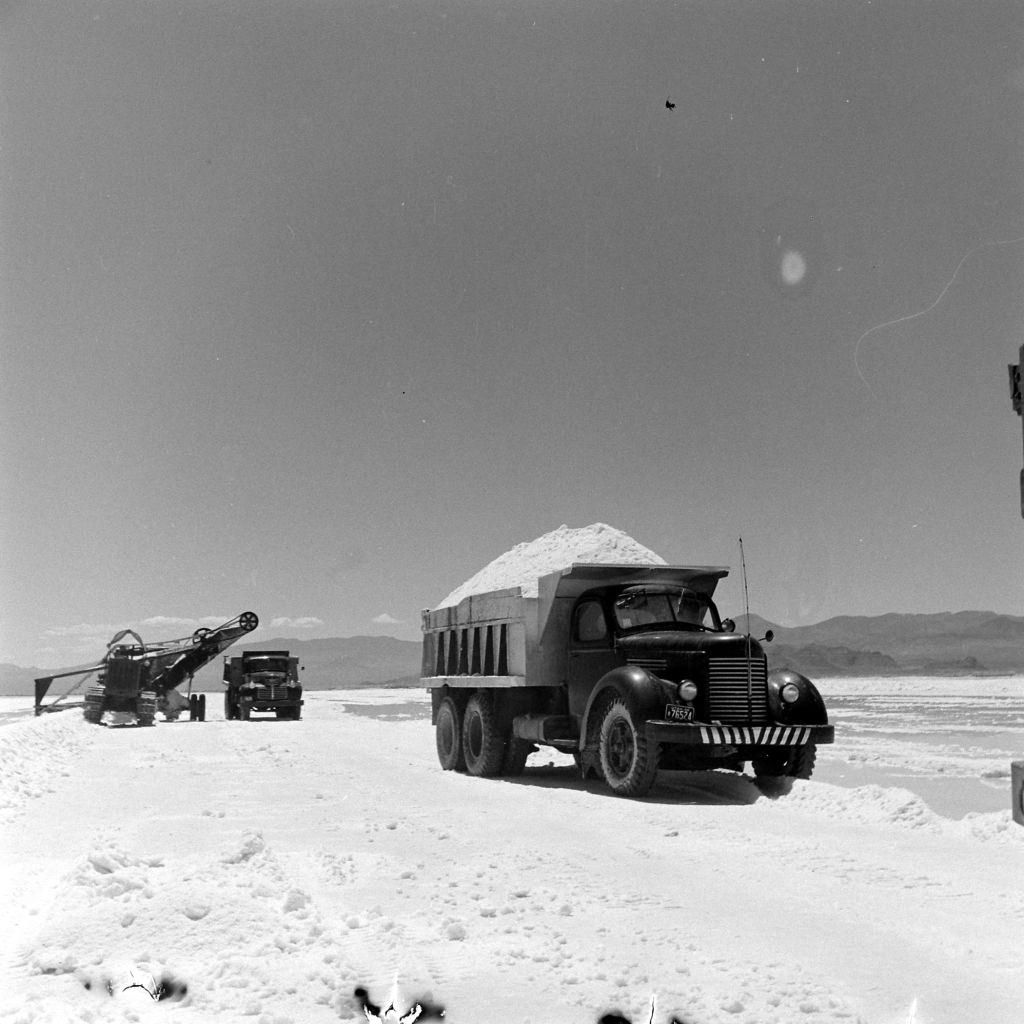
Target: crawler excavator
{"x":140,"y":679}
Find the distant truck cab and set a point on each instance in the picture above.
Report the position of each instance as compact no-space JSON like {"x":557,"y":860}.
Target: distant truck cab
{"x":628,"y":667}
{"x":262,"y":681}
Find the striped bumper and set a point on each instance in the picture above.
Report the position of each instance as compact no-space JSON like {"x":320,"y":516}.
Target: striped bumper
{"x":740,"y":735}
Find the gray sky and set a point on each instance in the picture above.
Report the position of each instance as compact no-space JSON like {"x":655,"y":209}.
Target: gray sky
{"x":315,"y":308}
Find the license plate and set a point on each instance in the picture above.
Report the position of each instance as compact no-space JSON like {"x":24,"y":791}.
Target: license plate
{"x":678,"y":713}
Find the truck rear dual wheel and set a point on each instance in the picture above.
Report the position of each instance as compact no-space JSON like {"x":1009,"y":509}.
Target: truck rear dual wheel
{"x":628,"y":761}
{"x":483,"y":743}
{"x":448,"y":734}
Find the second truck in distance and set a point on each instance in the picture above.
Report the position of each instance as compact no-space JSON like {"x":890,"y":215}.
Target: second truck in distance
{"x":628,"y":667}
{"x":262,"y":681}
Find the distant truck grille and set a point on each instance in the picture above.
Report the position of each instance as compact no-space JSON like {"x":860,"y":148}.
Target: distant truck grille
{"x":728,"y":700}
{"x":268,"y":691}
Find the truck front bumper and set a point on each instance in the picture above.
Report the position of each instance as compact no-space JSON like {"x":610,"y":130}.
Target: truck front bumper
{"x":698,"y":734}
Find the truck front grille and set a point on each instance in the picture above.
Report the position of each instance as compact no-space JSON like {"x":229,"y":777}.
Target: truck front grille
{"x":270,"y":692}
{"x":728,"y":700}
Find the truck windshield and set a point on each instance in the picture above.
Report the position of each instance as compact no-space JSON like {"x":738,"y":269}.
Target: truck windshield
{"x":266,"y":665}
{"x":642,"y":606}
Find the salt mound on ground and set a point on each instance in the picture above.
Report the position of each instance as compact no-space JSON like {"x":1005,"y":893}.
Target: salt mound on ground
{"x":523,"y":564}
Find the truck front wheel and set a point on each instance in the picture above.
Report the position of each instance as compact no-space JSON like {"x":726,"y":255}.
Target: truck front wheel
{"x":449,"y":736}
{"x":483,"y":744}
{"x":801,"y":765}
{"x":775,"y":772}
{"x":628,"y":761}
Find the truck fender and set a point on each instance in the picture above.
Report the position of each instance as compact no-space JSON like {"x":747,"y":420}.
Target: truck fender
{"x":808,"y":710}
{"x":645,"y":693}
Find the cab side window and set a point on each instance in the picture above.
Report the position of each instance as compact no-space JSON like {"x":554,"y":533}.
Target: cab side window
{"x":590,"y":624}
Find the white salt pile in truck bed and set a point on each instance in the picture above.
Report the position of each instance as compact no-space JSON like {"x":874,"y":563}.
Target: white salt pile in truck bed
{"x":523,"y":564}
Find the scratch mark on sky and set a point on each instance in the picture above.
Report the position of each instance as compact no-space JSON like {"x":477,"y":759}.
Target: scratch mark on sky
{"x":928,"y":309}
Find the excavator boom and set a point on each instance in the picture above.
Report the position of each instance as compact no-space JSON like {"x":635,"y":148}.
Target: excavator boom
{"x":176,"y":660}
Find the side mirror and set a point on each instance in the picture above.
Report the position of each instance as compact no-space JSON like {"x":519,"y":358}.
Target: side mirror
{"x":728,"y":626}
{"x":769,"y":636}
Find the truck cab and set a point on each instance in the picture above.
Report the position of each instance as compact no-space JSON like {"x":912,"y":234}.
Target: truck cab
{"x":639,"y":624}
{"x":262,"y":681}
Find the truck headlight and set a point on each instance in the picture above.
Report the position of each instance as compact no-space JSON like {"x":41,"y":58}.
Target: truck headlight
{"x":790,"y":693}
{"x":687,"y":690}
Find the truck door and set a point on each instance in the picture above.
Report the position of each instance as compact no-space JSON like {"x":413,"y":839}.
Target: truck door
{"x":591,"y":654}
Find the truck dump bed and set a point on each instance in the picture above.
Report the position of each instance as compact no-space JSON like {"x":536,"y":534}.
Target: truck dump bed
{"x":485,"y":639}
{"x":503,"y":638}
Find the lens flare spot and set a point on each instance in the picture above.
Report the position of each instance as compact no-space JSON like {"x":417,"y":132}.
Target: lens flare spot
{"x":790,"y":247}
{"x":792,"y":267}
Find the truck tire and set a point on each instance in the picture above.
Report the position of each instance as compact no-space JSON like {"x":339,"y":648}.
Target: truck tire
{"x":483,"y":743}
{"x":801,"y":765}
{"x":627,"y":760}
{"x":202,"y":707}
{"x":228,"y":710}
{"x":775,"y":772}
{"x":448,"y":735}
{"x":516,"y":753}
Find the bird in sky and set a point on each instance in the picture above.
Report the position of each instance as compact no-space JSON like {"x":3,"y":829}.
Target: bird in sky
{"x":669,"y":105}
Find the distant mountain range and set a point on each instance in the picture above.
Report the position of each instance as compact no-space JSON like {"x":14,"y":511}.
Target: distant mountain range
{"x":944,"y":643}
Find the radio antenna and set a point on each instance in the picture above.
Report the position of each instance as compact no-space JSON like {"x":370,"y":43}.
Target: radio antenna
{"x":746,"y":597}
{"x":746,"y":611}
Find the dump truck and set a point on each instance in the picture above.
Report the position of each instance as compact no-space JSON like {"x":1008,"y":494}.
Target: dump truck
{"x":629,"y":668}
{"x":140,"y":679}
{"x":262,"y":681}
